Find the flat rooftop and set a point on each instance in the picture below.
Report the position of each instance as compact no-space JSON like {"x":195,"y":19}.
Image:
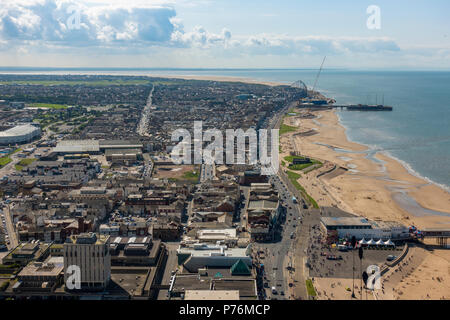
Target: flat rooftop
{"x":211,"y":295}
{"x":262,"y":204}
{"x":88,"y":238}
{"x":36,"y":269}
{"x":77,"y":146}
{"x":345,"y":222}
{"x":204,"y":250}
{"x":19,"y":130}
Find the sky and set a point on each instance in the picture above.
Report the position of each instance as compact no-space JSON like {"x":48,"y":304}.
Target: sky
{"x":359,"y":34}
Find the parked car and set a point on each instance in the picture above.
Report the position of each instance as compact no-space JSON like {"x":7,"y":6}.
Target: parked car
{"x":391,"y":257}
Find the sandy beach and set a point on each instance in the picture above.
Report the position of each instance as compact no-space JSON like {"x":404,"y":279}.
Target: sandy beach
{"x":216,"y":78}
{"x":377,"y":187}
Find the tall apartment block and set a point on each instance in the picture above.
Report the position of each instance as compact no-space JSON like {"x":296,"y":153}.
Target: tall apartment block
{"x":89,"y":252}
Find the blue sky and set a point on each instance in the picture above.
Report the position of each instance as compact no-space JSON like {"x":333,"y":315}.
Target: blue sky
{"x":224,"y":33}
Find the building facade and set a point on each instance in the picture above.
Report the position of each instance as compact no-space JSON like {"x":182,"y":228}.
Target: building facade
{"x":89,"y":252}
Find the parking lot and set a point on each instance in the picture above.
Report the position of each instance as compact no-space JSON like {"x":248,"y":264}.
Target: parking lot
{"x":321,"y":266}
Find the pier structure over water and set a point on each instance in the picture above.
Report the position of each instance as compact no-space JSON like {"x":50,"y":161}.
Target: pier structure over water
{"x":349,"y":107}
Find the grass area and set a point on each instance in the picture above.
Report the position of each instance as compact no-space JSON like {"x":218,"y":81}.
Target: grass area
{"x":4,"y":161}
{"x":23,"y":163}
{"x":293,"y":178}
{"x":291,"y":158}
{"x":299,"y":167}
{"x":283,"y":163}
{"x":191,"y":175}
{"x":285,"y":129}
{"x":78,"y":82}
{"x":48,"y":106}
{"x":310,"y":288}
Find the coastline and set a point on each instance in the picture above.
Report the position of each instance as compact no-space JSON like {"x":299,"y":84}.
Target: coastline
{"x":431,"y":202}
{"x":405,"y":164}
{"x":374,"y":186}
{"x":370,"y":188}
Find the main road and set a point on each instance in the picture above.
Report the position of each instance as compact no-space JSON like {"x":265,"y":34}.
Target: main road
{"x":142,"y":128}
{"x":285,"y":257}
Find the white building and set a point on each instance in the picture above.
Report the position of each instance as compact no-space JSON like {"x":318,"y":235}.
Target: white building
{"x":19,"y":134}
{"x":347,"y":227}
{"x":90,"y":252}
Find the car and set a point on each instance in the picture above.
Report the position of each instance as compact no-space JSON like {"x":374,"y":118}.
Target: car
{"x":291,"y":284}
{"x":282,"y":293}
{"x":391,"y":257}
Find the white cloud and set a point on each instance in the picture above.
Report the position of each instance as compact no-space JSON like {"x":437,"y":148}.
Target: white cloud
{"x":48,"y":21}
{"x":151,"y":29}
{"x":201,"y":38}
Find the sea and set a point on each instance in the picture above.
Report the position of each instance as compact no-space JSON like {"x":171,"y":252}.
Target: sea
{"x":416,"y":132}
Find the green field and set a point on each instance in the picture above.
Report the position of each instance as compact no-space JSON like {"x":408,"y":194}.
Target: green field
{"x":48,"y":106}
{"x":191,"y":175}
{"x":78,"y":82}
{"x":291,"y":158}
{"x":4,"y":161}
{"x":293,"y":178}
{"x":285,"y":129}
{"x":310,"y":288}
{"x":299,"y":167}
{"x":23,"y":163}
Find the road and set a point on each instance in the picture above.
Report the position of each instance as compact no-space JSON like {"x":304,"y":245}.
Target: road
{"x":148,"y":166}
{"x":142,"y":128}
{"x":285,"y":258}
{"x":207,"y":171}
{"x":10,"y":230}
{"x":278,"y":254}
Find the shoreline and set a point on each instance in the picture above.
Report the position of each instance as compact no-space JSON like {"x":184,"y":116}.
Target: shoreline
{"x":404,"y":163}
{"x":375,"y":185}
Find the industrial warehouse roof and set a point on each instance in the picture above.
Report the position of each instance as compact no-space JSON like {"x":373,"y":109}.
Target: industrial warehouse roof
{"x":19,"y":130}
{"x":125,"y":144}
{"x":111,"y":152}
{"x":79,"y":146}
{"x":70,"y":146}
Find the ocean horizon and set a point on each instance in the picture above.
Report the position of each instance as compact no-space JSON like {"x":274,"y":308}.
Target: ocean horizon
{"x":416,"y":133}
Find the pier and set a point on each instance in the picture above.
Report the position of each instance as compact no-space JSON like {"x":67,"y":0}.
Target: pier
{"x":349,"y":107}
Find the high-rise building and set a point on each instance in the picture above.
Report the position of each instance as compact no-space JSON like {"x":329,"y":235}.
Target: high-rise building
{"x":90,"y":253}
